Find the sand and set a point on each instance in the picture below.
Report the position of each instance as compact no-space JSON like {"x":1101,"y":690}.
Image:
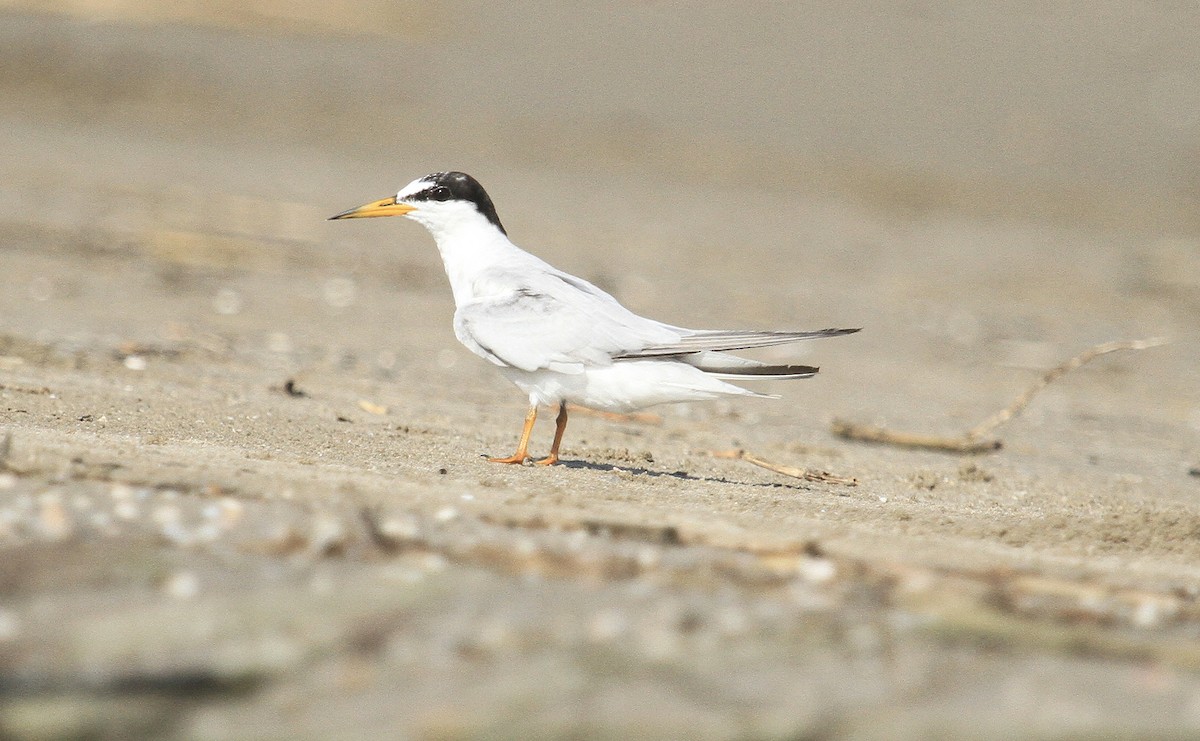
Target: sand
{"x":243,"y":489}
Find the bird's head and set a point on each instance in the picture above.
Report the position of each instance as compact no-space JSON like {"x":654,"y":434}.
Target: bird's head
{"x":436,"y":201}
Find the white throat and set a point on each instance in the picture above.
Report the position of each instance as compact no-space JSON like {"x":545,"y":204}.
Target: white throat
{"x":468,"y":242}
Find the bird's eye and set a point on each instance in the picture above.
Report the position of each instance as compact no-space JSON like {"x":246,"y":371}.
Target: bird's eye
{"x":440,"y":193}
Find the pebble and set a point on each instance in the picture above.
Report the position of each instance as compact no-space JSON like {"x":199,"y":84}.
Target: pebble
{"x":10,"y":625}
{"x":177,"y":534}
{"x":576,"y":540}
{"x":525,"y":547}
{"x":227,"y":302}
{"x":399,"y":527}
{"x":182,"y":585}
{"x":1151,"y":612}
{"x":732,"y":621}
{"x":126,"y":510}
{"x":8,"y":523}
{"x":607,"y":625}
{"x":207,"y":533}
{"x":649,"y":557}
{"x":231,"y":511}
{"x":279,"y":342}
{"x":660,"y":643}
{"x":102,"y":521}
{"x":327,"y":535}
{"x":816,"y":570}
{"x":403,"y":573}
{"x":52,"y":517}
{"x":431,"y":562}
{"x":494,"y":634}
{"x":340,"y":292}
{"x":165,"y":515}
{"x":213,"y":513}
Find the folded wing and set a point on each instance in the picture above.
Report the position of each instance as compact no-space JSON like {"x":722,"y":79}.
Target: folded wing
{"x":720,"y":340}
{"x":554,"y":321}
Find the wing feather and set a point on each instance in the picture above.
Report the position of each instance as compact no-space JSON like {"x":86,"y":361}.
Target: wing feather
{"x":552,"y":321}
{"x":547,"y":319}
{"x":725,"y":340}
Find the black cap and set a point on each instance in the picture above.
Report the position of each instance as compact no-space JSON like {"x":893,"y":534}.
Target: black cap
{"x":458,"y":186}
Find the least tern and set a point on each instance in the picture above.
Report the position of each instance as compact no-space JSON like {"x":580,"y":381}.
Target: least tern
{"x":559,"y":338}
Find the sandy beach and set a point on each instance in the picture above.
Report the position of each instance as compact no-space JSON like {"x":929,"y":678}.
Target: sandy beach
{"x":243,"y":491}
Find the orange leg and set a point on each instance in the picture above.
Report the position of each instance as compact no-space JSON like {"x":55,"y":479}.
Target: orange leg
{"x":523,"y":446}
{"x":560,"y":426}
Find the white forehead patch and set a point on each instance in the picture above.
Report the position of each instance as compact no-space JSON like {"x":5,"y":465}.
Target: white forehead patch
{"x":415,"y":186}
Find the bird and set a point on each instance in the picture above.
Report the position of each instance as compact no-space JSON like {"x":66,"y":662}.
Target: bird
{"x":559,"y":338}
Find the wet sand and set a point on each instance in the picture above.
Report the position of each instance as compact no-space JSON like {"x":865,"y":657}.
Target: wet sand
{"x":243,"y":492}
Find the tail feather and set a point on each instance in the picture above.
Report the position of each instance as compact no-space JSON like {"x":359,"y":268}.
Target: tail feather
{"x":732,"y":367}
{"x":720,"y":340}
{"x":765,"y":373}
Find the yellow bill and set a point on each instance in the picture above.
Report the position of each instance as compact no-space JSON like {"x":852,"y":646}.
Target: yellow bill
{"x":383,"y":207}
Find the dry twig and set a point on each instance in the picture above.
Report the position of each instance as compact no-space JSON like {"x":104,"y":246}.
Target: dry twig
{"x":874,"y":434}
{"x":371,"y":407}
{"x":807,"y":474}
{"x":6,"y":454}
{"x":1022,"y":401}
{"x":972,"y":440}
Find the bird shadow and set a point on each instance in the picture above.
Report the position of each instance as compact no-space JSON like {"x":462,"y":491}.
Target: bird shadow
{"x":680,"y":475}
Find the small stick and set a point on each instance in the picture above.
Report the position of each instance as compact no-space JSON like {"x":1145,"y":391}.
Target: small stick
{"x":6,"y":452}
{"x":807,"y":474}
{"x":873,"y":434}
{"x":972,"y":440}
{"x":384,"y":541}
{"x":1052,"y":375}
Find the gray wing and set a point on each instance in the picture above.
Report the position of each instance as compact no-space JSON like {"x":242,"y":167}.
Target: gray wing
{"x":546,"y":319}
{"x":551,"y":320}
{"x":719,"y":340}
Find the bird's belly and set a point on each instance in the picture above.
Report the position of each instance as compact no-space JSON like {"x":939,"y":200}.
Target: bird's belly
{"x":623,"y":386}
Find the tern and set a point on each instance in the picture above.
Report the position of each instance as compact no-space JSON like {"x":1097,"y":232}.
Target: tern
{"x":559,"y":338}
